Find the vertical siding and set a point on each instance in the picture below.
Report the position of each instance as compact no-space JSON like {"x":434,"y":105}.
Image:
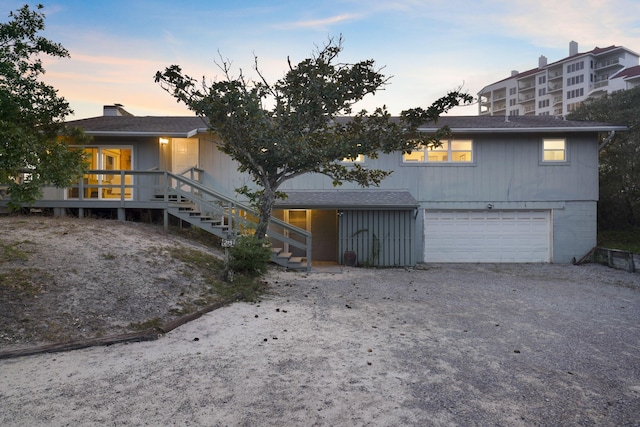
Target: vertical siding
{"x":506,"y":168}
{"x":379,"y":238}
{"x":507,"y":172}
{"x":574,"y":231}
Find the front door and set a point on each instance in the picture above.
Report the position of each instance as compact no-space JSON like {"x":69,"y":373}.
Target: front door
{"x":185,"y":154}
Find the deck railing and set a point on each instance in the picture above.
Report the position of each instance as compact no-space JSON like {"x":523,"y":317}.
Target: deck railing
{"x":156,"y":189}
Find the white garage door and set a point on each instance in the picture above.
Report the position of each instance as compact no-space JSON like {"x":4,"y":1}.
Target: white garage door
{"x":487,"y":236}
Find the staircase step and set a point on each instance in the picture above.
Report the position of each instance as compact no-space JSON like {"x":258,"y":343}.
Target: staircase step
{"x":286,"y":255}
{"x":296,"y":260}
{"x":211,"y":220}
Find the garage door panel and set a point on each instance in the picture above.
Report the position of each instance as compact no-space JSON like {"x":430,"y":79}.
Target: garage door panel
{"x":487,"y":236}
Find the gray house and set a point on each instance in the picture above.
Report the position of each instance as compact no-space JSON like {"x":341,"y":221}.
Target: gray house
{"x":520,"y":189}
{"x":516,"y":189}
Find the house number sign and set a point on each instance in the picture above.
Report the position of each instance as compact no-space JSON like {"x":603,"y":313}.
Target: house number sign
{"x":228,"y":243}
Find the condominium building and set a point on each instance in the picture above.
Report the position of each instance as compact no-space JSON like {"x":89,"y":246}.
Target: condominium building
{"x":560,"y":87}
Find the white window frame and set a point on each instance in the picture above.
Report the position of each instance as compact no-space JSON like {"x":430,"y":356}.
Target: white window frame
{"x":544,"y":151}
{"x":450,"y":151}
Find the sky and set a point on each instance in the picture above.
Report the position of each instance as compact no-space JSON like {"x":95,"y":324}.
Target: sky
{"x":427,"y":47}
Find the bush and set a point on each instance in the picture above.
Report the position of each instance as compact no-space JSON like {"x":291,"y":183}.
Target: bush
{"x":249,"y":255}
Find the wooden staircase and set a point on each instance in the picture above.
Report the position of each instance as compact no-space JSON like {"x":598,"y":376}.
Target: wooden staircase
{"x":286,"y":259}
{"x":202,"y":207}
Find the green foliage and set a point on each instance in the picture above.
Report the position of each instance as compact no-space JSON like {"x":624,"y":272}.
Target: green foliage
{"x":624,"y":240}
{"x":33,"y":151}
{"x":249,"y":256}
{"x":304,"y":130}
{"x":212,"y":268}
{"x":619,"y":206}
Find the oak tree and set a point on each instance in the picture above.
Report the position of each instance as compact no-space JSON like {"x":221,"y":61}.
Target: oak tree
{"x":304,"y":122}
{"x":619,"y":170}
{"x":33,"y":151}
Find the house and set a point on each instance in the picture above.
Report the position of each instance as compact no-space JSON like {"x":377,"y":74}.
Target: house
{"x":504,"y":189}
{"x":560,"y":87}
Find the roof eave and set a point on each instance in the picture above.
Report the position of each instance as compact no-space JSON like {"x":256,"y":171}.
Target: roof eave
{"x":345,"y":207}
{"x":187,"y":134}
{"x":530,"y":129}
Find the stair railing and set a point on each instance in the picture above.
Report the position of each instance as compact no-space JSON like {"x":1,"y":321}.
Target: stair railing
{"x":239,"y":218}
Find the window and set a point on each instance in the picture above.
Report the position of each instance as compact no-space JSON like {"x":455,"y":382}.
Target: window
{"x":575,"y":80}
{"x":575,"y":67}
{"x":105,"y":186}
{"x":453,"y":151}
{"x":575,"y":93}
{"x":358,"y":159}
{"x":554,"y":150}
{"x":572,"y":107}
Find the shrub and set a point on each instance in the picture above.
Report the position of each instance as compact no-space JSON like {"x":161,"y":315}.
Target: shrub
{"x":249,"y":255}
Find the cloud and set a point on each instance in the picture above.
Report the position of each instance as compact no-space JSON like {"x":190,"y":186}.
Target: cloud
{"x":589,"y":22}
{"x":322,"y":23}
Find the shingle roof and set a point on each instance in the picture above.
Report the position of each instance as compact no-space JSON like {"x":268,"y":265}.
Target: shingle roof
{"x":183,"y":127}
{"x":171,"y":126}
{"x":348,"y":199}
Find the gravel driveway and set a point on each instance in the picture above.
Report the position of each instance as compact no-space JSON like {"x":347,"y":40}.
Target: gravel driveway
{"x":485,"y":345}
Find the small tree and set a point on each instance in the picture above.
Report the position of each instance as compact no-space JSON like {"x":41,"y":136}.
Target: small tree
{"x":278,"y":131}
{"x":619,"y":205}
{"x":33,"y":151}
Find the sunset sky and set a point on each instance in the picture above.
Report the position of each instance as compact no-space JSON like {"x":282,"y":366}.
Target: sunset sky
{"x":429,"y":46}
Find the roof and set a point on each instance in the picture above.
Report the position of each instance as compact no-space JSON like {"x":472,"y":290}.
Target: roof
{"x":594,"y":51}
{"x":628,"y":72}
{"x":169,"y":126}
{"x":348,"y":199}
{"x":517,"y":124}
{"x":184,"y":127}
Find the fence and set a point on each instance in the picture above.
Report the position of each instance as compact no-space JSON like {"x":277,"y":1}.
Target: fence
{"x":614,"y":258}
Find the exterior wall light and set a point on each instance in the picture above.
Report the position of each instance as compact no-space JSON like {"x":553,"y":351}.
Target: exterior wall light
{"x":163,"y":141}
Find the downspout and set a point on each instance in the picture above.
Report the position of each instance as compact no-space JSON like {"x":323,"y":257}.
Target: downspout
{"x":607,"y":140}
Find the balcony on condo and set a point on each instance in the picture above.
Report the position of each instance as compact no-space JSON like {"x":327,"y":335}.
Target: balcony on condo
{"x":527,"y":97}
{"x":554,"y":87}
{"x":608,"y":63}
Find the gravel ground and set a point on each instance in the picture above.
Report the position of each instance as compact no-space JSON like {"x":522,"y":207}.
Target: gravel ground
{"x":466,"y":345}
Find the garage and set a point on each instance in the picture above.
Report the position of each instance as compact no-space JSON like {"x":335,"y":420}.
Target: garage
{"x":487,"y":236}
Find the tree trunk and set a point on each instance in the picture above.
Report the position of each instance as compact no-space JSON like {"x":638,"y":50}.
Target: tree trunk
{"x":265,"y":207}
